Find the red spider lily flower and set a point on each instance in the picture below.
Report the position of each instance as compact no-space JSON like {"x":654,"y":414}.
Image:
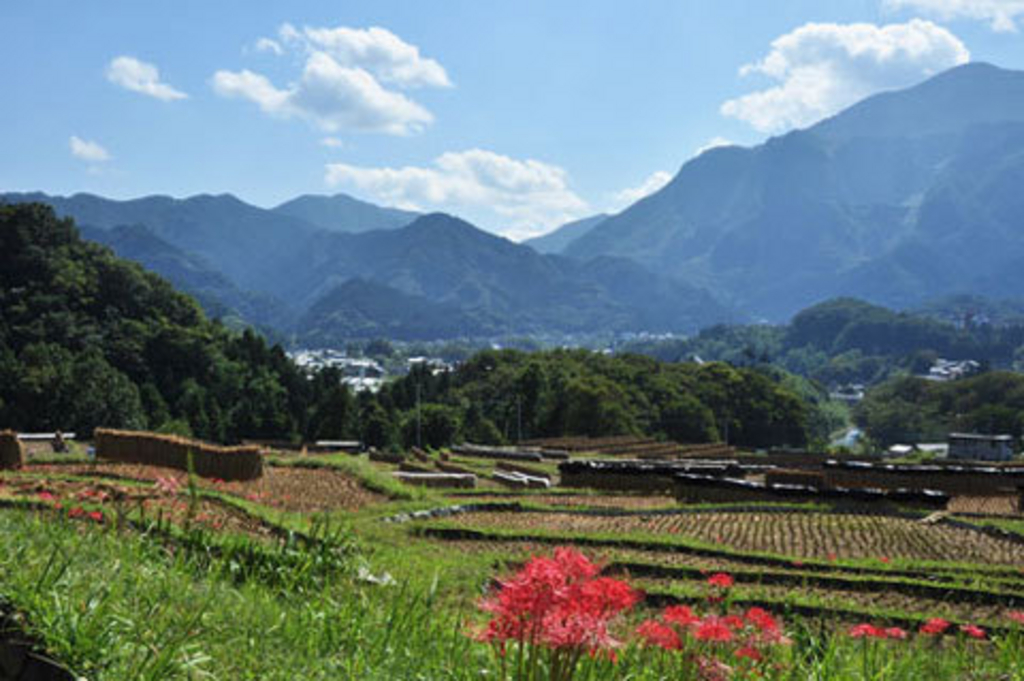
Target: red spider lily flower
{"x":713,"y":629}
{"x":76,"y":512}
{"x":934,"y":626}
{"x":733,"y":622}
{"x":654,"y":633}
{"x":748,"y":652}
{"x":972,"y":630}
{"x":1017,"y":616}
{"x":606,"y":595}
{"x":46,"y":496}
{"x":762,"y":619}
{"x":720,"y":580}
{"x":681,"y":615}
{"x":557,"y":602}
{"x":896,"y":633}
{"x":884,"y":559}
{"x":96,"y":516}
{"x":867,"y":631}
{"x":832,"y":557}
{"x":798,"y":563}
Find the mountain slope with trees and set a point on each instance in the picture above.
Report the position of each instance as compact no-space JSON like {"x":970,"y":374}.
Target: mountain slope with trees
{"x":190,"y":273}
{"x":558,"y":239}
{"x":910,"y":409}
{"x":296,"y":266}
{"x":906,"y":196}
{"x":577,"y":392}
{"x":88,"y":339}
{"x":846,"y":340}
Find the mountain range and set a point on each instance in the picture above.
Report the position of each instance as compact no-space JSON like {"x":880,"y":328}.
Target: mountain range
{"x":904,"y":197}
{"x":306,"y":270}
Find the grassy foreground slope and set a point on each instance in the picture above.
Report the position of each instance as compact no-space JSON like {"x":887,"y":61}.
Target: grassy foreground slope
{"x":369,"y":601}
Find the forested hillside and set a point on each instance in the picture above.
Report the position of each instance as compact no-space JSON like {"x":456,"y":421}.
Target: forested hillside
{"x":575,"y":392}
{"x":88,"y":339}
{"x":911,"y":409}
{"x":847,"y":341}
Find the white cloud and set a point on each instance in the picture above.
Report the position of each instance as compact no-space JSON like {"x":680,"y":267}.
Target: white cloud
{"x":138,"y":76}
{"x":374,"y":49}
{"x":713,"y":143}
{"x":88,"y":150}
{"x":1002,"y":15}
{"x":340,"y":87}
{"x":822,"y":68}
{"x":331,"y":96}
{"x":626,"y":197}
{"x":527,"y":197}
{"x":252,"y":86}
{"x":332,"y":143}
{"x":269,"y":45}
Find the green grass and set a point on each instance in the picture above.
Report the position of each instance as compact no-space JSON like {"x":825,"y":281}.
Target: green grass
{"x":138,"y":606}
{"x":124,"y":607}
{"x":169,"y":603}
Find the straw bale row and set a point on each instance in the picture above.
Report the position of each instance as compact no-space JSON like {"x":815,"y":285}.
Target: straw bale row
{"x":12,"y":452}
{"x":950,"y":479}
{"x":171,"y":451}
{"x":692,"y":488}
{"x":788,"y":476}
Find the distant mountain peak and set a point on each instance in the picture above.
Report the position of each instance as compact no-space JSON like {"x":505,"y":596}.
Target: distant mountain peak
{"x":895,"y":199}
{"x":343,"y":213}
{"x":969,"y":94}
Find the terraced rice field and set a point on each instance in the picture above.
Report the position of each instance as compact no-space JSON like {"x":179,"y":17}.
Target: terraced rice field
{"x":878,"y":602}
{"x":110,"y":499}
{"x":618,"y":501}
{"x":800,"y":535}
{"x":304,"y":490}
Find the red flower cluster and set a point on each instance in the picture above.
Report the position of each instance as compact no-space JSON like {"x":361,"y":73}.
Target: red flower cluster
{"x":746,"y":636}
{"x":871,"y":631}
{"x":80,"y":513}
{"x":934,"y":626}
{"x":92,"y":494}
{"x":720,"y":580}
{"x":1017,"y":616}
{"x":973,"y":630}
{"x":558,"y":603}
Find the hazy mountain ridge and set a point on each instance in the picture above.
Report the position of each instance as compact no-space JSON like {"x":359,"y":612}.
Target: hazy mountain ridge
{"x":898,"y":199}
{"x":192,"y":274}
{"x":343,"y":213}
{"x":559,"y":238}
{"x":495,"y":285}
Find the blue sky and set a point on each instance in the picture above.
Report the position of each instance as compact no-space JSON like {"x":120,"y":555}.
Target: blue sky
{"x":516,"y":115}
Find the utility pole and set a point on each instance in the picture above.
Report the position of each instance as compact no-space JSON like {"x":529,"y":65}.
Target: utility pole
{"x":419,"y":439}
{"x":519,"y":419}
